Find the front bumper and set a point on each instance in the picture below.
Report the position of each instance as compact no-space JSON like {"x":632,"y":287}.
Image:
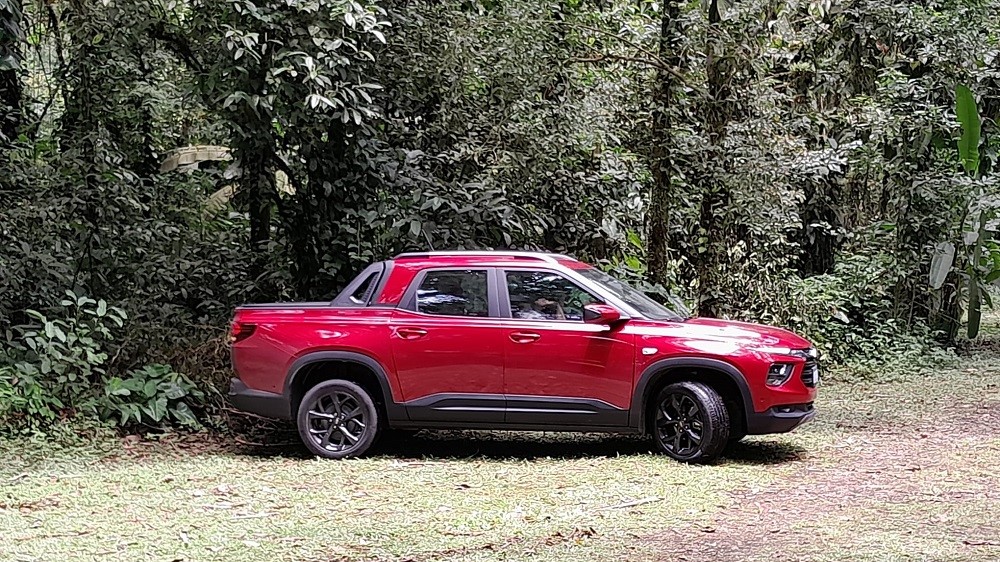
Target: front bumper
{"x":780,"y":419}
{"x":266,"y":404}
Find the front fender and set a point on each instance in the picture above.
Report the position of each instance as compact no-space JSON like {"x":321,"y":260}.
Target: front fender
{"x":652,"y":374}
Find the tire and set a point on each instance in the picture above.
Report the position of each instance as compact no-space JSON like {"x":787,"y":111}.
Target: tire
{"x":337,"y":419}
{"x":690,"y":422}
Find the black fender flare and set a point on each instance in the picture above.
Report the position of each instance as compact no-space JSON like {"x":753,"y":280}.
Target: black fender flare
{"x":652,"y":373}
{"x":393,"y":410}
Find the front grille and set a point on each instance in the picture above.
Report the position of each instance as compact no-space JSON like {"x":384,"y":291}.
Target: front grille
{"x":810,"y":373}
{"x":810,"y":370}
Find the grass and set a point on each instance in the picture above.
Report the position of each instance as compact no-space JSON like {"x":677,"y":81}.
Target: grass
{"x":900,"y":468}
{"x":224,"y":506}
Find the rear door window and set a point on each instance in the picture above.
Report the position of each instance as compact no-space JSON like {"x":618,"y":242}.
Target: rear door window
{"x":454,"y":292}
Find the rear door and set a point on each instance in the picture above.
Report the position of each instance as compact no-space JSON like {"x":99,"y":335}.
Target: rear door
{"x":447,"y":347}
{"x":559,"y":370}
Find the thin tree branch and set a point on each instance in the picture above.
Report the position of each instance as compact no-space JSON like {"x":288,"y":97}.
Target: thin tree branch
{"x":177,"y":45}
{"x":56,"y":34}
{"x":654,"y":60}
{"x":608,"y":57}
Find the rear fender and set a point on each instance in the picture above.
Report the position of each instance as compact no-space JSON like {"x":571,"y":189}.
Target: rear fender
{"x":394,"y":411}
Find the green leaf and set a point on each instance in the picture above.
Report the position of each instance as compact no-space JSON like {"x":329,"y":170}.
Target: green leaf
{"x":634,"y":239}
{"x":941,"y":262}
{"x":183,"y":414}
{"x":159,"y":407}
{"x":968,"y":116}
{"x":133,"y":384}
{"x":172,"y":390}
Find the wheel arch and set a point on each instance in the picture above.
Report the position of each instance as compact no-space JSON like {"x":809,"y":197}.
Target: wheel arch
{"x":720,"y":375}
{"x":318,"y":366}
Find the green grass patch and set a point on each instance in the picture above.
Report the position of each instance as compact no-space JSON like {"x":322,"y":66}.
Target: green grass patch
{"x":877,"y":477}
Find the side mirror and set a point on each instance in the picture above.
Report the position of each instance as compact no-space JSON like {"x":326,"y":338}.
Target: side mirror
{"x":601,"y":314}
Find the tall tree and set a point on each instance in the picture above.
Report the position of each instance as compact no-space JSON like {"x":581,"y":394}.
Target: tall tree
{"x":663,"y":193}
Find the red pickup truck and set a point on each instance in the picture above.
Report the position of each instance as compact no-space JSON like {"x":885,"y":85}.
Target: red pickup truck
{"x":514,"y":341}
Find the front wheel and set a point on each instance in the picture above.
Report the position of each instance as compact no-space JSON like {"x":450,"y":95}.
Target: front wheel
{"x":690,"y":422}
{"x":337,"y":419}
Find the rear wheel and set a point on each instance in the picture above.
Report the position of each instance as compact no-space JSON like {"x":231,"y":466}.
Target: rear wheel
{"x":337,"y":419}
{"x":690,"y":422}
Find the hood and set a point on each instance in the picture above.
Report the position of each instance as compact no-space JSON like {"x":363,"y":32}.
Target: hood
{"x":714,"y":330}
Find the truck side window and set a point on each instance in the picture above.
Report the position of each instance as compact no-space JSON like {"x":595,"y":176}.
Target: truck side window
{"x":454,"y":293}
{"x":545,"y":295}
{"x":363,"y":292}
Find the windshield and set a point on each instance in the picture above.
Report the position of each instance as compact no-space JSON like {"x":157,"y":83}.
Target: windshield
{"x":636,"y":298}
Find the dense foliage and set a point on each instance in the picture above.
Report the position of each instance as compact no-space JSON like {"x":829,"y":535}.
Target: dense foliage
{"x":826,"y":165}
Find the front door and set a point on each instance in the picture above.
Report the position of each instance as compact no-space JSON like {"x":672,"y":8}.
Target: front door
{"x":448,"y":349}
{"x":559,"y":370}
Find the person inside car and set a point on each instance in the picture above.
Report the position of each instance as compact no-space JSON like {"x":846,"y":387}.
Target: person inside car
{"x":551,"y":310}
{"x":539,"y":309}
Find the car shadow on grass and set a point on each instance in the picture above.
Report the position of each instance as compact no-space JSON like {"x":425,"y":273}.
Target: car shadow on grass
{"x":506,"y":445}
{"x":758,"y":452}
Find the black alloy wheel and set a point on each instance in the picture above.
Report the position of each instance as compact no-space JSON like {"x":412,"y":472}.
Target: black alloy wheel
{"x":690,"y":422}
{"x":337,"y":419}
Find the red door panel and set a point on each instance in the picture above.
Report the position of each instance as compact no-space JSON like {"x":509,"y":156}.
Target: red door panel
{"x":564,"y":367}
{"x":441,"y":355}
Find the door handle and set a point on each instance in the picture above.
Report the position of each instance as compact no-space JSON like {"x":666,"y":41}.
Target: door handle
{"x":524,"y":337}
{"x":411,"y":333}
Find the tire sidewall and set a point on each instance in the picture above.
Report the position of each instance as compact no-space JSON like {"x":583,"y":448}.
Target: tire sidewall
{"x":364,"y":400}
{"x":714,"y":416}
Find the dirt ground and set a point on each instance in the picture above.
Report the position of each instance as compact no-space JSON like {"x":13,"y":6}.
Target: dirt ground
{"x":917,"y":484}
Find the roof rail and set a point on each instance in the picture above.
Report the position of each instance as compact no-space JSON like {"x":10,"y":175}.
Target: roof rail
{"x":541,"y":256}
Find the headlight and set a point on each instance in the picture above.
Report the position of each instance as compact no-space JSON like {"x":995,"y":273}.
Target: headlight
{"x":779,"y":373}
{"x":774,"y":350}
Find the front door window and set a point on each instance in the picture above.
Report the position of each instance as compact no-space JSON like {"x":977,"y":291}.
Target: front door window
{"x":545,"y":295}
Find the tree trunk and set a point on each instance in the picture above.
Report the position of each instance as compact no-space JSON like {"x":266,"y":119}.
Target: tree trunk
{"x":10,"y":79}
{"x":715,"y":194}
{"x":257,"y":184}
{"x":662,"y":196}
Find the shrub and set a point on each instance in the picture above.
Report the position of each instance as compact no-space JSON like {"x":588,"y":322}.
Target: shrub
{"x":50,"y":368}
{"x":151,"y":395}
{"x":59,"y":367}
